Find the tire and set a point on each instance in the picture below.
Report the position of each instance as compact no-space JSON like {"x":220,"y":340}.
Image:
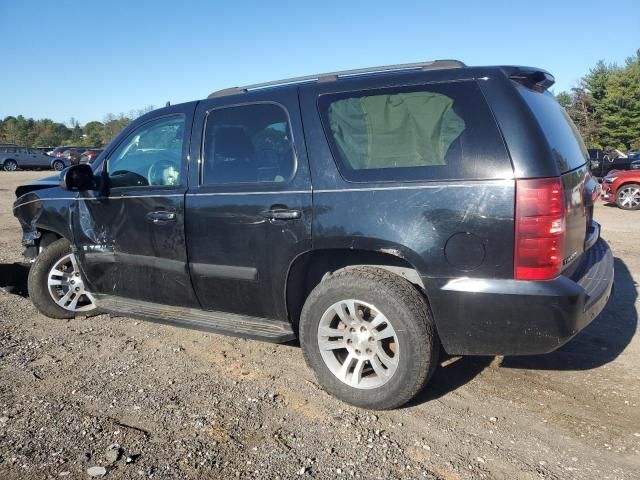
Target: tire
{"x":58,"y":165}
{"x":10,"y":165}
{"x":628,"y":196}
{"x":65,"y":288}
{"x":410,"y":357}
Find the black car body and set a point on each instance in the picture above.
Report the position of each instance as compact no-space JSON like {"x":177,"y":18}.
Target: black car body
{"x":495,"y":230}
{"x":602,"y":164}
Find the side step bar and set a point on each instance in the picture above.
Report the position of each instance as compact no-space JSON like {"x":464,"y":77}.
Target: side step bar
{"x":265,"y":329}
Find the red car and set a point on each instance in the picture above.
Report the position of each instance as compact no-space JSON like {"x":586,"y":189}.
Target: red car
{"x":622,"y":187}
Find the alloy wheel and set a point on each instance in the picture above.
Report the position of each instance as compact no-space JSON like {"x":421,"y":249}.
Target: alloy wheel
{"x":629,"y":197}
{"x":10,"y":166}
{"x":358,"y":344}
{"x":66,"y":287}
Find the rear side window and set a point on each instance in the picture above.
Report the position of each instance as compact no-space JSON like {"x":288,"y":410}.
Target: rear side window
{"x":567,"y":147}
{"x":427,"y":132}
{"x":248,"y":144}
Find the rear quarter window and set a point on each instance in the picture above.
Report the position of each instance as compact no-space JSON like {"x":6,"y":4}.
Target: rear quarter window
{"x":441,"y":131}
{"x":567,"y":147}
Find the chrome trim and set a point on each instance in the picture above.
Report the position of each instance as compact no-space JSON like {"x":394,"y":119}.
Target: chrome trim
{"x":332,"y":76}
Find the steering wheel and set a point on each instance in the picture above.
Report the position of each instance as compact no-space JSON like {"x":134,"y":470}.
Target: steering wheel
{"x":157,"y":173}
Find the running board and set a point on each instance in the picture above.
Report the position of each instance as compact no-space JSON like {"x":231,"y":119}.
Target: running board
{"x":265,"y":329}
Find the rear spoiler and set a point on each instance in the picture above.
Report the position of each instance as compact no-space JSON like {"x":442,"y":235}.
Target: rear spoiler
{"x":533,"y":78}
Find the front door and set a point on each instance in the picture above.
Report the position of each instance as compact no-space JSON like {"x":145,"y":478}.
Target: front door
{"x":248,"y":214}
{"x":130,"y":237}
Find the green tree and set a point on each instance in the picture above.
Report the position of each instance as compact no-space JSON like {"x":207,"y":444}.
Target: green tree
{"x":620,"y":106}
{"x":564,"y":99}
{"x":93,"y":133}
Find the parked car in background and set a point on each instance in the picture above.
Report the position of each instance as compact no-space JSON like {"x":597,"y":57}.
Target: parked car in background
{"x":596,"y":158}
{"x":89,"y":156}
{"x":73,"y":155}
{"x":374,"y":214}
{"x":13,"y":158}
{"x":635,"y":165}
{"x":612,"y":161}
{"x":45,"y":150}
{"x":59,"y":151}
{"x":622,"y":187}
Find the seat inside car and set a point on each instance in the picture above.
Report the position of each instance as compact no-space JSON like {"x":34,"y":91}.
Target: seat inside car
{"x":234,"y":156}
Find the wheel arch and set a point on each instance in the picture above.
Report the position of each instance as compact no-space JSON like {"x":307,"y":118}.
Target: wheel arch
{"x":627,"y":182}
{"x":47,"y":237}
{"x":311,"y":267}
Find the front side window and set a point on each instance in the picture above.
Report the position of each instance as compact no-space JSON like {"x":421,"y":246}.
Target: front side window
{"x":424,"y":132}
{"x":248,"y":144}
{"x":150,"y":156}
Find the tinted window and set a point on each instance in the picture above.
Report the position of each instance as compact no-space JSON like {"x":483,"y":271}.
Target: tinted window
{"x":248,"y":144}
{"x":568,"y":149}
{"x":426,"y":132}
{"x":150,"y":155}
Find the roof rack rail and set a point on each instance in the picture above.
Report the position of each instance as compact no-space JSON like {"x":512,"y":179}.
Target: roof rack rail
{"x":332,"y":76}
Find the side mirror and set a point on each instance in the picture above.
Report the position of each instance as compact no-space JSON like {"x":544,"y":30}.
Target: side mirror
{"x":78,"y":178}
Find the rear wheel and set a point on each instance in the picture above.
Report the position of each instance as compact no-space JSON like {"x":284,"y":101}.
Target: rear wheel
{"x":628,"y":196}
{"x":58,"y":165}
{"x":10,"y":166}
{"x":369,"y":337}
{"x":55,"y":285}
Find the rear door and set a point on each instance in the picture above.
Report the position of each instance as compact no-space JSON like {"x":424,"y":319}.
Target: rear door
{"x":23,"y":158}
{"x":38,"y":159}
{"x":248,"y":209}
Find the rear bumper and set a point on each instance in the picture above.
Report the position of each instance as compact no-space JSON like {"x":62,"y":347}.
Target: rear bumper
{"x":511,"y":317}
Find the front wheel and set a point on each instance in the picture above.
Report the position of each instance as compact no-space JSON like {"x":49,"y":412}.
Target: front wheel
{"x":55,"y":285}
{"x":10,"y":166}
{"x":628,"y":197}
{"x":369,"y":337}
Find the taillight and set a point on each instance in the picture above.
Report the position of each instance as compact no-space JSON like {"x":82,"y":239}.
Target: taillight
{"x":540,"y":229}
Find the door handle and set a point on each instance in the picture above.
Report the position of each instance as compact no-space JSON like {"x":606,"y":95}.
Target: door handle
{"x":282,"y":214}
{"x":161,"y":216}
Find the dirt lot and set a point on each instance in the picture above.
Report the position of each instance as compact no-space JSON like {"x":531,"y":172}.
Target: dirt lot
{"x":186,"y":404}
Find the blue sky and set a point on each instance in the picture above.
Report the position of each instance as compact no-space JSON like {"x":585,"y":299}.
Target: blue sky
{"x":83,"y":59}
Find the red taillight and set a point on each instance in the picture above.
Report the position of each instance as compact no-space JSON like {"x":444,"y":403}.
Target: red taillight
{"x":540,"y":229}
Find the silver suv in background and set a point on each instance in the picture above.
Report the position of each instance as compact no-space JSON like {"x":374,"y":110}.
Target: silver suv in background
{"x":15,"y":157}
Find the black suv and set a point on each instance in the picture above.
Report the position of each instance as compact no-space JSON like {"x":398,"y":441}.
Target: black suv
{"x":373,"y":214}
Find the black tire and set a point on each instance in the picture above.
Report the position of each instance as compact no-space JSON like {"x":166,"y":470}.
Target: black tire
{"x":10,"y":166}
{"x":409,"y":314}
{"x":619,"y":196}
{"x":37,"y":283}
{"x":58,"y":165}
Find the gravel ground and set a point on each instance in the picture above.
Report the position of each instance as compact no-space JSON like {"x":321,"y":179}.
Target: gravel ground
{"x":139,"y":400}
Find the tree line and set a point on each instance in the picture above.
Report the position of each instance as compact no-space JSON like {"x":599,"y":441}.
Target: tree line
{"x":605,"y":105}
{"x":47,"y":133}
